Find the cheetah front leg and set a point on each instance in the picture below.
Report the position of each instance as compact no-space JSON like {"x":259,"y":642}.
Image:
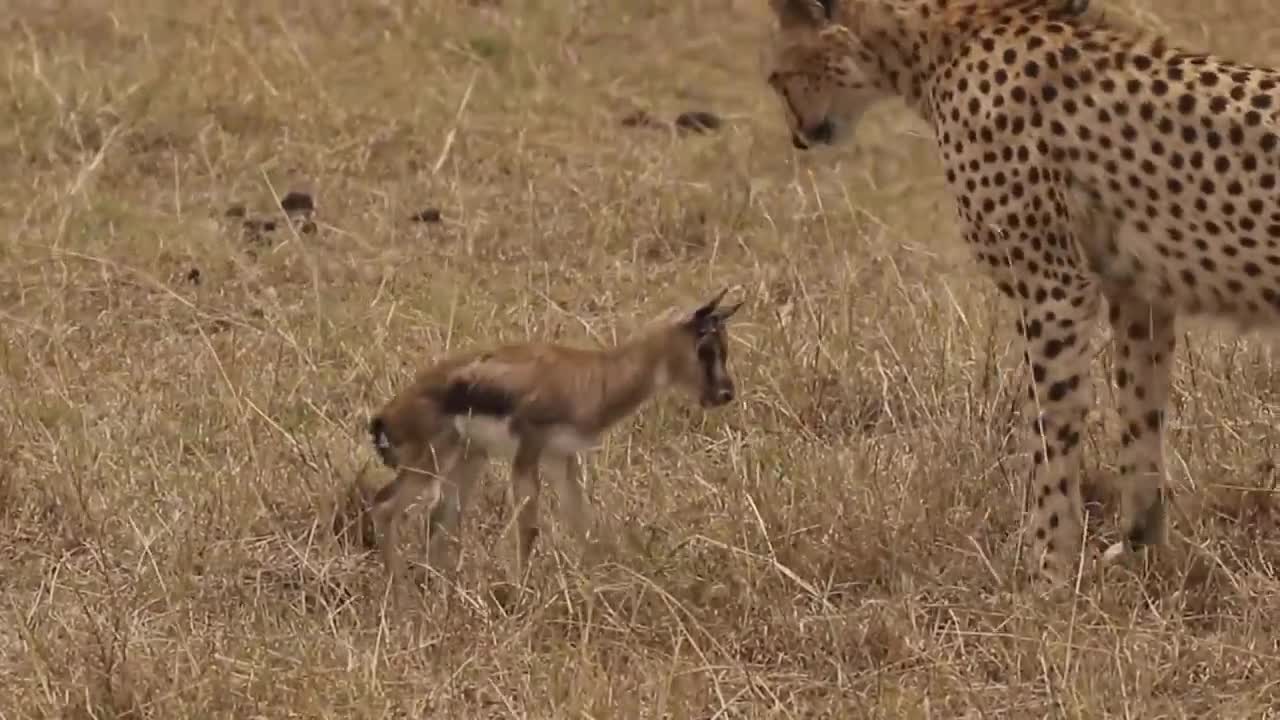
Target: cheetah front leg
{"x":1143,"y":344}
{"x":1058,"y":321}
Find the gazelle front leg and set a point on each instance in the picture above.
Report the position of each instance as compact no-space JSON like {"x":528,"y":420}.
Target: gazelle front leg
{"x":420,"y":478}
{"x":446,"y":519}
{"x":525,"y":488}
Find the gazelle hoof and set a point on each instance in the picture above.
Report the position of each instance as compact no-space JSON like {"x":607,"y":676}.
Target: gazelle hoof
{"x":1114,"y":553}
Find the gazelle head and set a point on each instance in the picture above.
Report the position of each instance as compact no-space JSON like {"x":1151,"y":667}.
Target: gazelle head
{"x":699,"y":355}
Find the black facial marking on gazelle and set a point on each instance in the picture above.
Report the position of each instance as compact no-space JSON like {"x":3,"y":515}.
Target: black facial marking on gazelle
{"x":381,"y":441}
{"x":709,"y":358}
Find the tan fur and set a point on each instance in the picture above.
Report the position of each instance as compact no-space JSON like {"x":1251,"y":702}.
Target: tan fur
{"x":531,"y":403}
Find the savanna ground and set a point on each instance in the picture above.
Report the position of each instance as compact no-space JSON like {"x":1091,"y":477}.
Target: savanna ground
{"x":184,"y":402}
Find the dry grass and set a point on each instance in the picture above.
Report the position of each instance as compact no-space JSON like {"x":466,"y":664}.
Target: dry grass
{"x":183,"y":403}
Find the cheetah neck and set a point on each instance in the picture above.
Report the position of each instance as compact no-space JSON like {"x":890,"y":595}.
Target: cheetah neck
{"x":911,"y":44}
{"x":900,"y":48}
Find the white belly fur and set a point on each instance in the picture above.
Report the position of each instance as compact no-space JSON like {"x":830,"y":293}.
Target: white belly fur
{"x":495,"y":437}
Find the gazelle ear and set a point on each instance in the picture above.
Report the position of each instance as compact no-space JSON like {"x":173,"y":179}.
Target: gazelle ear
{"x":804,"y":13}
{"x":705,"y":311}
{"x":725,"y":313}
{"x":712,"y":314}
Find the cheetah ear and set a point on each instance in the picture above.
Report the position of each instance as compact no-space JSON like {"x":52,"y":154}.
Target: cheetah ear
{"x":804,"y":13}
{"x":1074,"y":7}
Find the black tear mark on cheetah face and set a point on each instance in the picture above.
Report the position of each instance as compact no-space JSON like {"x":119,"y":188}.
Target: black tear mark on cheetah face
{"x":822,"y":87}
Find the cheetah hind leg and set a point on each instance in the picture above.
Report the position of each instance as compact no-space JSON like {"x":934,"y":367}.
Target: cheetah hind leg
{"x":1149,"y":529}
{"x":1057,"y":333}
{"x":1144,"y":342}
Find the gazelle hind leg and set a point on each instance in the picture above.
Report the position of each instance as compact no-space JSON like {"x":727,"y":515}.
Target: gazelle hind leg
{"x":575,"y":510}
{"x":525,"y":489}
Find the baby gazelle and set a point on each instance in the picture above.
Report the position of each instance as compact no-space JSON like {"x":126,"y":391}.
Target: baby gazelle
{"x":529,"y":402}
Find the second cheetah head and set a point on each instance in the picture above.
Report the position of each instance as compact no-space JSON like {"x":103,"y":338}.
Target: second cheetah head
{"x":824,"y":91}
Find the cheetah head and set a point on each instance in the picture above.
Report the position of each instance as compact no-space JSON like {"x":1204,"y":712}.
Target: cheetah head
{"x":824,"y":91}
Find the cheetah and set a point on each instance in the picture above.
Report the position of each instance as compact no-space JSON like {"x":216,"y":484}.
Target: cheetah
{"x":1086,"y":161}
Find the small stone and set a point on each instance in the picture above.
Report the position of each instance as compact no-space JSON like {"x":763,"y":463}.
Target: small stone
{"x":430,"y":215}
{"x":235,"y":211}
{"x":307,"y":228}
{"x":698,"y":121}
{"x":296,"y":202}
{"x":193,"y":276}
